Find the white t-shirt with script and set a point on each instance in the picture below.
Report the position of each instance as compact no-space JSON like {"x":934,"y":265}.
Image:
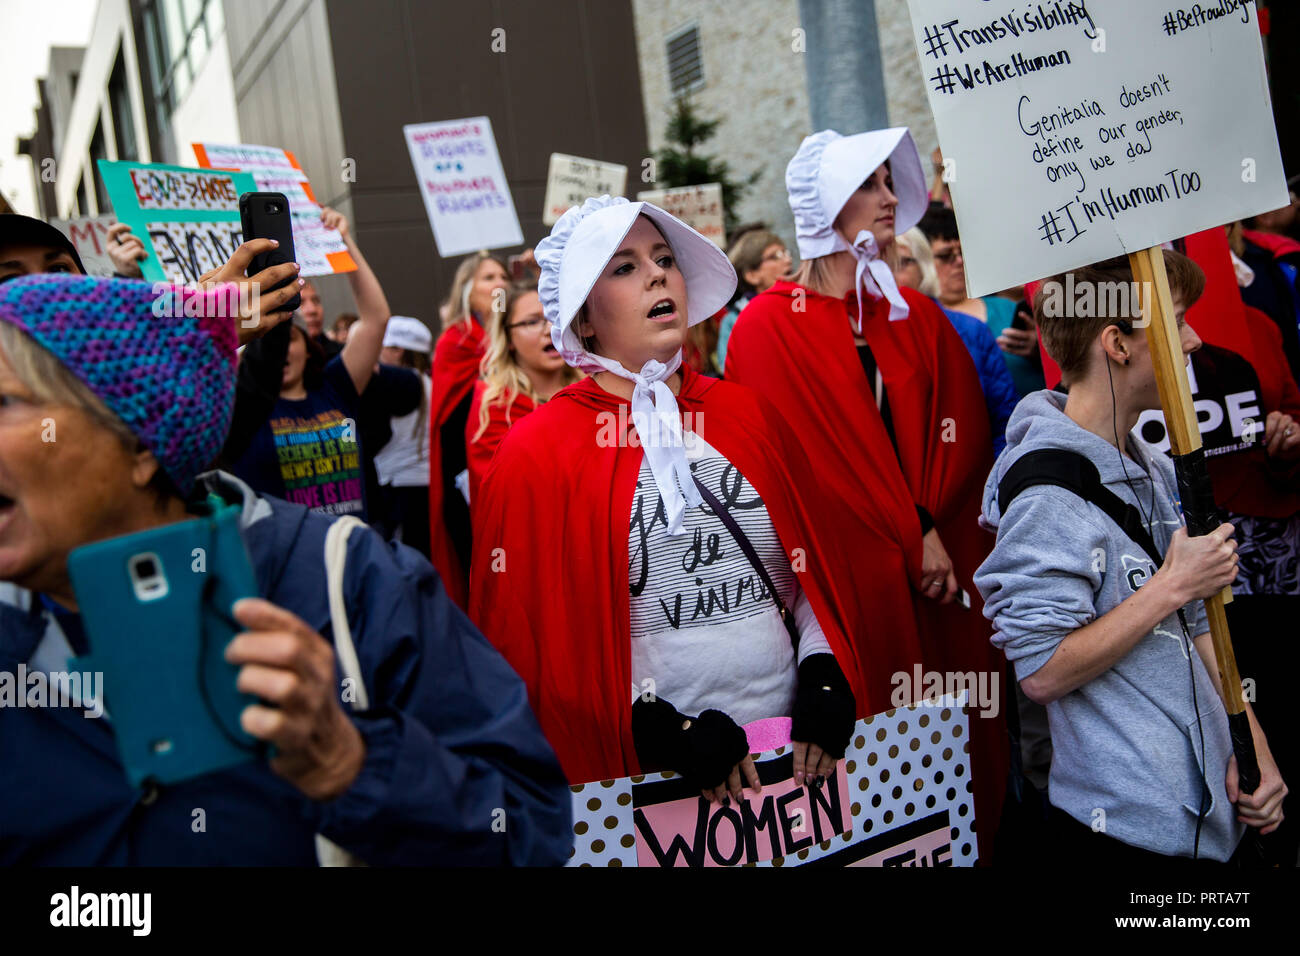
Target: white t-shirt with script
{"x":704,"y":628}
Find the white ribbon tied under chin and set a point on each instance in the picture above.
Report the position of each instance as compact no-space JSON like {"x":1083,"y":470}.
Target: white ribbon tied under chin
{"x":659,"y":427}
{"x":874,"y":273}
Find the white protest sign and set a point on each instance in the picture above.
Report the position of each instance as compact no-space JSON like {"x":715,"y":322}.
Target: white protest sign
{"x":571,"y":179}
{"x":1077,"y":130}
{"x":89,"y":234}
{"x":464,"y":187}
{"x":700,"y":207}
{"x":319,"y":251}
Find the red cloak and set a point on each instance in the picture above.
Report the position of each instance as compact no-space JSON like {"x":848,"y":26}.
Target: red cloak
{"x":1243,"y":481}
{"x":797,"y":347}
{"x":479,"y":449}
{"x":455,"y":370}
{"x":549,"y":585}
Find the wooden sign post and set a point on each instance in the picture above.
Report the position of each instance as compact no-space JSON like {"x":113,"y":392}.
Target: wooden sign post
{"x":1194,"y":485}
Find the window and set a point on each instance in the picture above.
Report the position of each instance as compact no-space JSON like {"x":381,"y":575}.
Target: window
{"x":119,"y":107}
{"x":98,"y":152}
{"x":179,"y":34}
{"x":685,"y":68}
{"x":83,"y":203}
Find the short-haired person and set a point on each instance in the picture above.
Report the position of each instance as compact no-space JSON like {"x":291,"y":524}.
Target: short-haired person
{"x":339,"y":330}
{"x":416,"y":778}
{"x":480,"y":280}
{"x":1117,"y":648}
{"x":1019,"y":346}
{"x":887,"y":403}
{"x":521,"y":370}
{"x":610,"y":562}
{"x":760,"y":258}
{"x":913,"y":264}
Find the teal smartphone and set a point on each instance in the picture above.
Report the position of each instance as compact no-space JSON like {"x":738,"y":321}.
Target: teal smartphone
{"x":156,"y":608}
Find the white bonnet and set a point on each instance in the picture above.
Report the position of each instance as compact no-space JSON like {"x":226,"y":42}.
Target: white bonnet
{"x":827,"y":169}
{"x":585,"y":238}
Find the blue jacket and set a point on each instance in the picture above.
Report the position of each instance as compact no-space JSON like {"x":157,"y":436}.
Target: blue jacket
{"x":995,"y":379}
{"x":456,"y":771}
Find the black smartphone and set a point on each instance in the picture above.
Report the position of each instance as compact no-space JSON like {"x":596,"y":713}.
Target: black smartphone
{"x":1022,"y":318}
{"x":266,"y":216}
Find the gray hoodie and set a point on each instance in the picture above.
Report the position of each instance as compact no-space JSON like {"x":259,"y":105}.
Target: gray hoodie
{"x":1127,"y":742}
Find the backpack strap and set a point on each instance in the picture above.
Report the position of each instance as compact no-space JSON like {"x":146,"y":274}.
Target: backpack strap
{"x":1075,"y":473}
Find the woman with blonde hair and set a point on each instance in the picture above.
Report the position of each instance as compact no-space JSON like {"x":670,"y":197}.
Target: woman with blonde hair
{"x":480,"y":279}
{"x":887,"y":404}
{"x":520,"y":370}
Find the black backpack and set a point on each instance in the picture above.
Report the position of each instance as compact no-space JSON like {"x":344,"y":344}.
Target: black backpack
{"x":1075,"y":473}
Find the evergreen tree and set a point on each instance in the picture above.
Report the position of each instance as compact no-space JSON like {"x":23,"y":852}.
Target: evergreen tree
{"x":678,"y":163}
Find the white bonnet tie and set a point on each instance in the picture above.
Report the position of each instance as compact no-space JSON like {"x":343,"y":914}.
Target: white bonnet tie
{"x":874,"y":273}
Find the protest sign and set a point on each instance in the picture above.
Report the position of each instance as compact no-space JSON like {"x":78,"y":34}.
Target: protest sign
{"x":1076,"y":131}
{"x":319,"y":251}
{"x":700,"y":207}
{"x":901,"y":796}
{"x":89,"y":234}
{"x":188,"y":219}
{"x":1228,"y":402}
{"x":571,"y":179}
{"x":464,"y":187}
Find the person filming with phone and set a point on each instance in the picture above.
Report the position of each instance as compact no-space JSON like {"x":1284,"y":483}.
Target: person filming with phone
{"x":427,"y":753}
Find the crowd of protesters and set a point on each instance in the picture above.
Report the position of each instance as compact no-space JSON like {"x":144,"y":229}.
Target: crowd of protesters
{"x":538,"y":477}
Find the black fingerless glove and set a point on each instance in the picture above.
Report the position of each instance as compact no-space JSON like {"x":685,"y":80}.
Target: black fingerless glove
{"x":704,"y":754}
{"x":824,"y":708}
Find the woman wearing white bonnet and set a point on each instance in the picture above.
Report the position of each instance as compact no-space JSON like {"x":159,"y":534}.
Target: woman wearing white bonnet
{"x":604,"y":569}
{"x":887,"y":402}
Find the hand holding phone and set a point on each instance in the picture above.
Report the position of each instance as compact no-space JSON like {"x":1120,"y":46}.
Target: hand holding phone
{"x":266,"y":216}
{"x":156,"y":606}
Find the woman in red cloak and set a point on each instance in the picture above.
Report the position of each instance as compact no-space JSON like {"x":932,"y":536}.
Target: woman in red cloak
{"x":650,"y":552}
{"x":887,"y":403}
{"x":456,"y":360}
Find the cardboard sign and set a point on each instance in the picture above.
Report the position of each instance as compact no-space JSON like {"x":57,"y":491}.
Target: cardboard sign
{"x":89,"y":234}
{"x":1229,"y":407}
{"x":700,"y":207}
{"x":571,"y":179}
{"x":900,"y":797}
{"x":188,"y":219}
{"x":1075,"y":131}
{"x":464,"y":187}
{"x":319,"y":251}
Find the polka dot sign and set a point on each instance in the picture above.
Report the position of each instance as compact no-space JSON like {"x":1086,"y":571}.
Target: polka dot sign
{"x":902,"y":796}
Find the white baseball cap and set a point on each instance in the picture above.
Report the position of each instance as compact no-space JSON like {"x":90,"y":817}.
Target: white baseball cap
{"x":404,"y":332}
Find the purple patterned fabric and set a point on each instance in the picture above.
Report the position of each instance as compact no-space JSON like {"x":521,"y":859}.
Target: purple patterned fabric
{"x":160,"y":356}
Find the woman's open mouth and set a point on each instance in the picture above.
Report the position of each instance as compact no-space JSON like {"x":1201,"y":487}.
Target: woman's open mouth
{"x":664,"y":310}
{"x":549,"y":348}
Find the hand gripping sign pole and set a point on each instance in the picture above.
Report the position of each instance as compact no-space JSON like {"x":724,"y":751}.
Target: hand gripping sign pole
{"x":1194,"y":488}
